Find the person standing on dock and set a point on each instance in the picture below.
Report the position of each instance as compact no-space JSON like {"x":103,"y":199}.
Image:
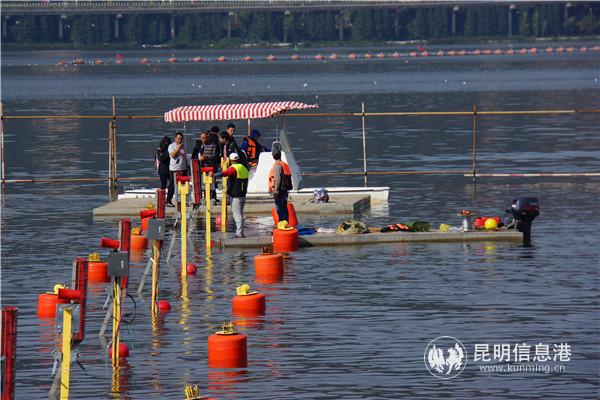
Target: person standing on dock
{"x":233,"y":147}
{"x":280,"y":182}
{"x":178,"y":164}
{"x":163,"y":160}
{"x":237,"y":186}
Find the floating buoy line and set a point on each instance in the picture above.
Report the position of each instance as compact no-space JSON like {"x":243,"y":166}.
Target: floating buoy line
{"x":334,"y":56}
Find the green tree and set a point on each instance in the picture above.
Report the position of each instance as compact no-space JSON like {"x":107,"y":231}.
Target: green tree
{"x":187,"y":33}
{"x":470,"y":28}
{"x":589,"y":24}
{"x":418,"y":28}
{"x":439,"y":24}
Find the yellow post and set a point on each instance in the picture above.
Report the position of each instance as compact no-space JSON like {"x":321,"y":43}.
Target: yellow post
{"x":183,"y":189}
{"x":156,"y":248}
{"x":224,"y":166}
{"x":207,"y":181}
{"x":65,"y":368}
{"x":116,"y":332}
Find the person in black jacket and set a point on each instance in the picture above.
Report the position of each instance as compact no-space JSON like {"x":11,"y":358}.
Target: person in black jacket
{"x":162,"y":160}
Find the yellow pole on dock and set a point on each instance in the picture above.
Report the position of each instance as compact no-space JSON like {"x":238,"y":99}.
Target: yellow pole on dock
{"x":207,"y":179}
{"x":224,"y":166}
{"x":65,"y":374}
{"x":156,"y":249}
{"x":183,"y":189}
{"x":116,"y":332}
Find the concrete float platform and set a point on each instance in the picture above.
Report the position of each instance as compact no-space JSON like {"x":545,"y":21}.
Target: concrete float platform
{"x":332,"y":239}
{"x":338,"y":204}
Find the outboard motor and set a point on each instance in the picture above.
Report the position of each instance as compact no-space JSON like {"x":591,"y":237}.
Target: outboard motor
{"x":524,"y":210}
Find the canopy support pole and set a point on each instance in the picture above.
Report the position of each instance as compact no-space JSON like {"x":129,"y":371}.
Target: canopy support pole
{"x":112,"y":153}
{"x":2,"y":135}
{"x":364,"y":143}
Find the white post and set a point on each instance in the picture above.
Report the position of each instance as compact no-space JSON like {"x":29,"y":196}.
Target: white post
{"x":364,"y":143}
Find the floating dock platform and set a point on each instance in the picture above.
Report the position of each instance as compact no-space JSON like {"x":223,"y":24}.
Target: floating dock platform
{"x":338,"y":204}
{"x":332,"y":239}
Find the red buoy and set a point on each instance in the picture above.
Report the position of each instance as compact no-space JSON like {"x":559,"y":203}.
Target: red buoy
{"x":138,"y":242}
{"x":123,"y":351}
{"x":292,"y":218}
{"x":227,"y":349}
{"x":268,"y":267}
{"x":285,"y":240}
{"x":98,"y":271}
{"x":191,"y":268}
{"x":164,"y":305}
{"x":248,"y":304}
{"x":47,"y":304}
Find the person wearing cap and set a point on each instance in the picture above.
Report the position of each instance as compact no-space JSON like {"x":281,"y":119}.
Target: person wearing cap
{"x":237,"y":187}
{"x":252,"y":147}
{"x":280,"y":182}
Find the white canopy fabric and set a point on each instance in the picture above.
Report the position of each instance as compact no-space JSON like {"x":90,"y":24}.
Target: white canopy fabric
{"x":219,"y":112}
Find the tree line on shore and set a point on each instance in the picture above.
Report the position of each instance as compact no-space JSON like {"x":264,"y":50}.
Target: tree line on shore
{"x":440,"y":23}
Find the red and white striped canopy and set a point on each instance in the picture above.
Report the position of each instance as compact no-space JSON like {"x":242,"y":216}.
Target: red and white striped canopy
{"x":219,"y":112}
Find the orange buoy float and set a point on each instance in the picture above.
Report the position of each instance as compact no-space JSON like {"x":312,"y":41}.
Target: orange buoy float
{"x":412,"y":54}
{"x":97,"y":269}
{"x":285,"y":239}
{"x":271,"y":57}
{"x":268,"y":267}
{"x":172,"y":59}
{"x":583,"y":49}
{"x":487,"y":52}
{"x":497,"y":52}
{"x":368,"y":55}
{"x":440,"y":53}
{"x":138,"y":242}
{"x":395,"y":55}
{"x":510,"y":51}
{"x":99,"y":62}
{"x":248,"y":58}
{"x":549,"y":49}
{"x":380,"y":55}
{"x":227,"y":348}
{"x":463,"y":52}
{"x":294,"y":57}
{"x":560,"y":49}
{"x":595,"y":48}
{"x":119,"y":62}
{"x":333,"y":56}
{"x":293,"y":219}
{"x":533,"y":50}
{"x":61,"y":63}
{"x":221,"y":59}
{"x":144,"y":61}
{"x":247,"y":303}
{"x":78,"y":61}
{"x":197,"y":59}
{"x":47,"y":303}
{"x":318,"y":57}
{"x":425,"y":54}
{"x":123,"y":351}
{"x":476,"y":52}
{"x":352,"y":56}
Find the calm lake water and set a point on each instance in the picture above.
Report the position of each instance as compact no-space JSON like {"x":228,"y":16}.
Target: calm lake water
{"x":348,"y":322}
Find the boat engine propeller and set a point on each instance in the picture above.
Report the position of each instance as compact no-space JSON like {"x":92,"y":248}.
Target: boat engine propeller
{"x":524,"y":211}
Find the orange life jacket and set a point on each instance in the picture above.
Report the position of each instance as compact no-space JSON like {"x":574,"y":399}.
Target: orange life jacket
{"x":287,"y":176}
{"x":251,"y":150}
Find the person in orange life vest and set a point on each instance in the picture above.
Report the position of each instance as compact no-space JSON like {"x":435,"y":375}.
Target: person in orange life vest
{"x":252,"y":147}
{"x":280,"y":182}
{"x":237,"y":186}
